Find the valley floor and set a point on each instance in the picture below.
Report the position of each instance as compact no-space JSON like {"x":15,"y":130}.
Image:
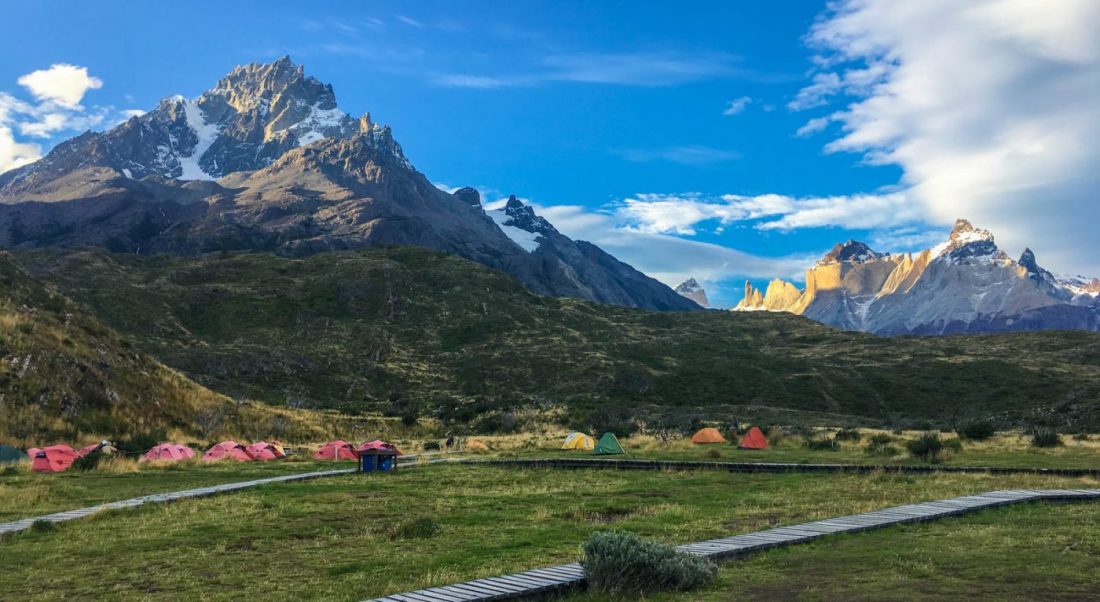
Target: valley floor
{"x":363,"y":535}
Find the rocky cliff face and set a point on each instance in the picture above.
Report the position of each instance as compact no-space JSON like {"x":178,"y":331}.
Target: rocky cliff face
{"x":965,"y":284}
{"x":265,"y":160}
{"x":692,"y":290}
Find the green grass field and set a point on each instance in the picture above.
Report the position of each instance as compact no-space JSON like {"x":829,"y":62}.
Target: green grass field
{"x":353,"y":537}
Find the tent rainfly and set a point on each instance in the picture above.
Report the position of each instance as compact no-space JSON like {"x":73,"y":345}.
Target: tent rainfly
{"x":172,"y":452}
{"x":54,"y":458}
{"x":227,"y":450}
{"x":11,"y":454}
{"x":707,"y":435}
{"x":335,"y":451}
{"x":262,"y":451}
{"x":608,"y":444}
{"x":754,"y":439}
{"x":577,"y":440}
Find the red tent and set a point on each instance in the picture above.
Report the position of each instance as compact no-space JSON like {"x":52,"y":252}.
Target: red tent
{"x":54,"y":458}
{"x":263,"y":451}
{"x":376,"y":445}
{"x":168,"y":451}
{"x":754,"y":439}
{"x":335,"y":450}
{"x":227,"y":450}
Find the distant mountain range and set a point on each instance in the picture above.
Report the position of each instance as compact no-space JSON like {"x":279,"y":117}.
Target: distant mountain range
{"x":265,"y":160}
{"x":965,"y":284}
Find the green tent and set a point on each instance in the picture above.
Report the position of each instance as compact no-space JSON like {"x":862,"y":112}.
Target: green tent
{"x":608,"y":444}
{"x":11,"y":454}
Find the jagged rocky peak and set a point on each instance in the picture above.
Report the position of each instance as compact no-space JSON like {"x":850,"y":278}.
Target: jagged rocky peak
{"x":691,"y":289}
{"x":468,"y":195}
{"x":851,"y":251}
{"x":968,"y":244}
{"x":523,"y":217}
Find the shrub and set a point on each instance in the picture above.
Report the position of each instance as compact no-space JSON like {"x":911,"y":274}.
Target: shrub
{"x":1045,"y":437}
{"x":612,"y":419}
{"x":881,"y":445}
{"x":821,"y":444}
{"x":416,"y":528}
{"x":848,"y":435}
{"x":1081,"y":437}
{"x":43,"y":526}
{"x":431,"y":445}
{"x":714,"y":454}
{"x":929,"y":447}
{"x":619,"y":563}
{"x":976,"y":430}
{"x":88,"y":462}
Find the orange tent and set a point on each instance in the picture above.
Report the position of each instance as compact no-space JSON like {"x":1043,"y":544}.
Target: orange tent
{"x":708,"y":435}
{"x":754,"y":439}
{"x":54,"y":458}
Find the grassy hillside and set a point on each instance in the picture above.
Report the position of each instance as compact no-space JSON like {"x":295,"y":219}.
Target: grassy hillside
{"x":64,"y":374}
{"x":390,"y":328}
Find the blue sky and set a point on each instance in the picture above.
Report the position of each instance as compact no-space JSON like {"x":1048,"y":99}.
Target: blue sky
{"x":724,"y":140}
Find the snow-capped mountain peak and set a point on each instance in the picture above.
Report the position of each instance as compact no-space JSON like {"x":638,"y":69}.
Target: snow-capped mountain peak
{"x":851,"y":251}
{"x":968,"y":244}
{"x":519,"y":223}
{"x":691,"y":289}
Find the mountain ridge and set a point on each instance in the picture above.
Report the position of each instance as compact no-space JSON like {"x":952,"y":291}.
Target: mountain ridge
{"x":965,"y":284}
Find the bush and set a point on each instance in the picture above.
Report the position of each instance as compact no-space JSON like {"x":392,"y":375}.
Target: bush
{"x":821,"y":444}
{"x":1081,"y":437}
{"x":1045,"y":437}
{"x":714,"y":454}
{"x":848,"y":435}
{"x":88,"y":462}
{"x":43,"y":526}
{"x":430,"y":445}
{"x":612,"y":419}
{"x":929,"y":447}
{"x":976,"y":430}
{"x":416,"y":528}
{"x":497,"y":422}
{"x":619,"y":563}
{"x":881,"y":445}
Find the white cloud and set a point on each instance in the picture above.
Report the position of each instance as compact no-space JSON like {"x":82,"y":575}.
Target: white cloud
{"x":409,"y":21}
{"x":737,"y":105}
{"x":693,"y":154}
{"x":62,"y":84}
{"x":647,"y":69}
{"x":667,"y":258}
{"x":683,"y":213}
{"x":990,"y":107}
{"x":15,"y":154}
{"x":813,"y":126}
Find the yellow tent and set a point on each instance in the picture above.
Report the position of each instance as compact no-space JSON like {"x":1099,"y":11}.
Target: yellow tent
{"x":578,"y":441}
{"x":476,"y":445}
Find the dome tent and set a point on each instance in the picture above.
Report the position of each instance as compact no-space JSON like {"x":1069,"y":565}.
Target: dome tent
{"x":263,"y":451}
{"x":54,"y":458}
{"x":227,"y":450}
{"x":173,"y":452}
{"x":608,"y":444}
{"x":707,"y":435}
{"x":11,"y":454}
{"x":754,"y":439}
{"x":335,"y":451}
{"x":576,"y":440}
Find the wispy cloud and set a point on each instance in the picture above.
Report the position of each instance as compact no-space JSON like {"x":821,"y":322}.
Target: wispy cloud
{"x":683,"y":213}
{"x":409,"y":21}
{"x":694,"y":155}
{"x":644,"y":69}
{"x":737,"y":106}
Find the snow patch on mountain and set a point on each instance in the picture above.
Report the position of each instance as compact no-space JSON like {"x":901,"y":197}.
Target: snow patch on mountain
{"x":207,"y":133}
{"x":529,"y":241}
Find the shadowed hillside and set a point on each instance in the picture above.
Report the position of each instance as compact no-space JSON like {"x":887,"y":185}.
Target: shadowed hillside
{"x":64,"y":373}
{"x":375,"y":329}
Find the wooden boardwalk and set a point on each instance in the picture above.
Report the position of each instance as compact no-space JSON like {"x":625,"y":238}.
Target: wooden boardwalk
{"x":157,"y":498}
{"x":564,"y":577}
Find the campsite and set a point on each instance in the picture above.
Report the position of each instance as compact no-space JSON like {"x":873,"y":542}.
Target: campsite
{"x":430,"y":524}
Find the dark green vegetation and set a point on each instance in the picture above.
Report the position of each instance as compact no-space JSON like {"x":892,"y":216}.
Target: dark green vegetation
{"x":622,"y":564}
{"x":63,"y":371}
{"x":1029,"y":552}
{"x":345,"y":538}
{"x":409,"y":331}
